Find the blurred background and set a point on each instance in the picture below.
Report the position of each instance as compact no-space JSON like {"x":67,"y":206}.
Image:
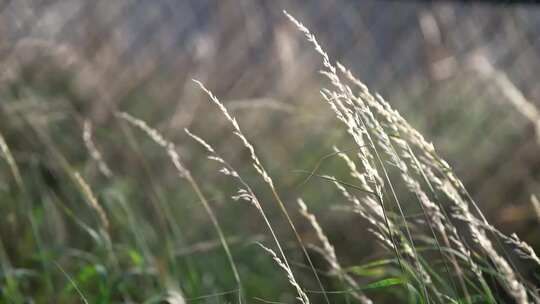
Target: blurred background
{"x":464,"y":74}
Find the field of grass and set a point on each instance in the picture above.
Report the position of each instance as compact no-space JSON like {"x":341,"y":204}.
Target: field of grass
{"x":126,"y":214}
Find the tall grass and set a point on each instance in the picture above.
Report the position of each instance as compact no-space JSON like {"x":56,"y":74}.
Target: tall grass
{"x":380,"y":132}
{"x":438,"y":246}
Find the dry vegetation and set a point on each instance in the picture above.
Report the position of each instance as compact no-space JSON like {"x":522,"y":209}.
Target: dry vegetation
{"x":434,"y":245}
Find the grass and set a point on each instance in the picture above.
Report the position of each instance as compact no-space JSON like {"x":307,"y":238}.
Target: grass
{"x":134,"y":233}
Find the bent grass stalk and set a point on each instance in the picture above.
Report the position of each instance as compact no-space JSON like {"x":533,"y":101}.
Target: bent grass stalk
{"x":355,"y":112}
{"x":329,"y":253}
{"x":246,"y":193}
{"x":302,"y":297}
{"x":402,"y":130}
{"x":92,"y":200}
{"x":93,"y":150}
{"x":183,"y":172}
{"x":354,"y":119}
{"x":267,"y":179}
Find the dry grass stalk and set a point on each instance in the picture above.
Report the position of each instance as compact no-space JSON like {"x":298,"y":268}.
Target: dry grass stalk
{"x":509,"y":90}
{"x":399,"y":151}
{"x":329,"y":253}
{"x":6,"y":153}
{"x":267,"y":179}
{"x":245,"y":193}
{"x":399,"y":124}
{"x":364,"y":129}
{"x":363,"y":125}
{"x":183,"y":172}
{"x":93,"y":150}
{"x":92,"y":200}
{"x":514,"y":287}
{"x":302,"y":297}
{"x":524,"y":250}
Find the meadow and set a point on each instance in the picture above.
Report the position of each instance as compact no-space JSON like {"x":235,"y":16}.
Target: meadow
{"x":364,"y":209}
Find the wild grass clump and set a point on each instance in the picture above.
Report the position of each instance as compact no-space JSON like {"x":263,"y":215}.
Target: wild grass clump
{"x":438,"y":246}
{"x":390,"y":147}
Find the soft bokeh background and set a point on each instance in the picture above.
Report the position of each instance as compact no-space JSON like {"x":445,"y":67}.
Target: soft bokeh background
{"x":465,"y":75}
